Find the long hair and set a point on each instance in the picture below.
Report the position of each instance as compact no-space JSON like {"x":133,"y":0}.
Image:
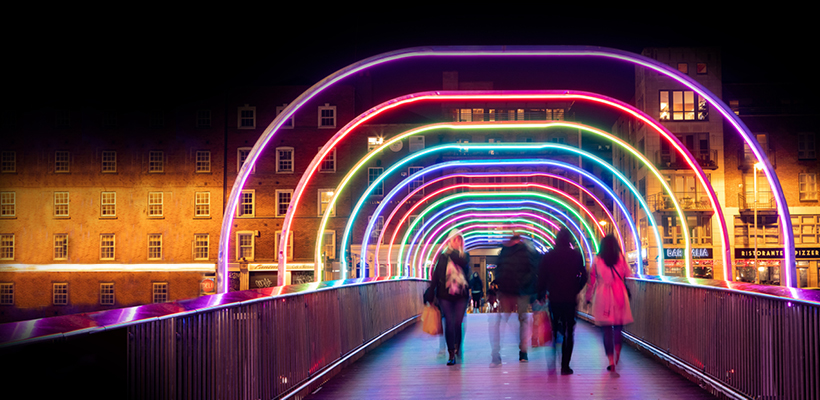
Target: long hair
{"x":610,"y":250}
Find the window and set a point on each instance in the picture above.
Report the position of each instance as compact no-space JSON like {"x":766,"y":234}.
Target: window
{"x":748,"y":155}
{"x":156,"y":119}
{"x":155,"y":162}
{"x":415,"y":143}
{"x":203,"y":161}
{"x":683,"y":68}
{"x":108,"y":204}
{"x":683,"y":105}
{"x":155,"y":204}
{"x":62,"y":162}
{"x":109,"y":162}
{"x":284,"y":160}
{"x":283,"y":202}
{"x":155,"y":246}
{"x":6,"y":294}
{"x":325,"y":198}
{"x":806,"y":229}
{"x":417,"y":182}
{"x":377,"y":227}
{"x":60,"y":246}
{"x":203,"y":118}
{"x":808,"y":187}
{"x":329,"y":246}
{"x":202,"y":204}
{"x":8,"y":204}
{"x":246,"y":117}
{"x":6,"y":246}
{"x":106,"y":294}
{"x":374,"y":142}
{"x":806,"y":146}
{"x":201,"y":249}
{"x":372,"y":175}
{"x":327,"y":116}
{"x":701,"y":68}
{"x":288,"y":124}
{"x":246,"y":204}
{"x":160,"y":292}
{"x":9,"y":162}
{"x":107,"y":243}
{"x":242,"y":154}
{"x":329,"y":163}
{"x":245,"y":245}
{"x":59,"y":294}
{"x":62,"y":119}
{"x":61,"y":204}
{"x":278,"y":239}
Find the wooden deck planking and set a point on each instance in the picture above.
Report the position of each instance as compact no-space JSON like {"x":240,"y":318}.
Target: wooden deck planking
{"x":408,"y":367}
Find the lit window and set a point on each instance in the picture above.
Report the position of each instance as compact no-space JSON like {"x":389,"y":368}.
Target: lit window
{"x":109,"y":162}
{"x":244,"y":246}
{"x":283,"y":202}
{"x":417,"y":182}
{"x":202,"y":206}
{"x":284,"y":160}
{"x":203,"y":161}
{"x":7,"y":294}
{"x":8,"y":204}
{"x":6,"y":246}
{"x":808,"y":187}
{"x":155,"y":162}
{"x":246,"y":117}
{"x":108,"y":204}
{"x":683,"y":105}
{"x":278,"y":239}
{"x":374,"y":142}
{"x":60,"y":246}
{"x":242,"y":155}
{"x":329,"y":163}
{"x":62,"y":162}
{"x":61,"y":204}
{"x":325,"y":198}
{"x":203,"y":118}
{"x":329,"y":245}
{"x":327,"y":116}
{"x":372,"y":175}
{"x":201,"y":246}
{"x":106,"y":294}
{"x":701,"y":68}
{"x":155,"y":246}
{"x":683,"y":68}
{"x":246,"y":204}
{"x":155,"y":204}
{"x":9,"y":162}
{"x":289,"y":122}
{"x":160,"y":292}
{"x":59,"y":294}
{"x":806,"y":146}
{"x":107,"y":243}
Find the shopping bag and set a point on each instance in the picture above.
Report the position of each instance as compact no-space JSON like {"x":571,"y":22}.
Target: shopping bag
{"x":431,"y":320}
{"x":541,"y":329}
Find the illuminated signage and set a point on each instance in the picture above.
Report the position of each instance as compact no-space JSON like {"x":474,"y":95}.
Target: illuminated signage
{"x":677,"y":253}
{"x":805,"y":252}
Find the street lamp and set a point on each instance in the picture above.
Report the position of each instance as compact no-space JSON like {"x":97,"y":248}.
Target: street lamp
{"x":758,"y":167}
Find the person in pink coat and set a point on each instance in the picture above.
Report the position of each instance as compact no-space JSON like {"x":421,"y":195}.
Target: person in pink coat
{"x":610,"y":301}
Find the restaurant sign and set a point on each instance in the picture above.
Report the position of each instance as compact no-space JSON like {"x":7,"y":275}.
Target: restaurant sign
{"x":677,"y":253}
{"x":803,"y":252}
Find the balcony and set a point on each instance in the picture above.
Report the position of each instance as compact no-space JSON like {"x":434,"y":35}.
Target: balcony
{"x":746,"y":160}
{"x":689,"y":201}
{"x":765,"y":201}
{"x":707,"y":159}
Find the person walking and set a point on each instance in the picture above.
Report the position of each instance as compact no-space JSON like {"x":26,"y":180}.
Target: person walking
{"x":562,"y":274}
{"x":449,"y":283}
{"x":516,"y":279}
{"x":610,"y":297}
{"x":476,"y":291}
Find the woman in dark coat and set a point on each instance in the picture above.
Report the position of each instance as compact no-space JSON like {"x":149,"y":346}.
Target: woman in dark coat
{"x":449,"y":279}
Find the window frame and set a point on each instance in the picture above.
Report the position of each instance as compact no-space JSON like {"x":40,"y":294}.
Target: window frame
{"x":8,"y":162}
{"x":290,"y":123}
{"x":806,"y":139}
{"x":370,"y":180}
{"x":154,"y":246}
{"x":198,"y":247}
{"x":279,"y":203}
{"x":202,"y":120}
{"x":807,"y":191}
{"x":669,"y":114}
{"x":240,"y":118}
{"x":153,"y":206}
{"x":240,"y":246}
{"x":107,"y":294}
{"x":198,"y":204}
{"x":62,"y":162}
{"x":278,"y":238}
{"x":6,"y":293}
{"x":330,"y":158}
{"x":320,"y":204}
{"x":59,"y":293}
{"x":202,"y":166}
{"x":321,"y":124}
{"x":104,"y":247}
{"x":104,"y":204}
{"x":60,"y":246}
{"x":329,"y":234}
{"x":57,"y":205}
{"x":156,"y":162}
{"x":108,"y":166}
{"x":159,"y":292}
{"x":415,"y":183}
{"x":240,"y":160}
{"x":5,"y":197}
{"x":7,"y":243}
{"x":241,"y":205}
{"x":279,"y":160}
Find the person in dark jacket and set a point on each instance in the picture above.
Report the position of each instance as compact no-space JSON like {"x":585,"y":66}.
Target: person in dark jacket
{"x":562,"y":274}
{"x":516,"y":279}
{"x":476,"y":291}
{"x":449,"y":282}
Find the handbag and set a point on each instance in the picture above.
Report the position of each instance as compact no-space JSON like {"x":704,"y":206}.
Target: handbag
{"x":541,"y":329}
{"x":431,"y":320}
{"x":628,"y":292}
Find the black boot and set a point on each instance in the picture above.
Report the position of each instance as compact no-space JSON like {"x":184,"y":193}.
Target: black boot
{"x":452,"y":360}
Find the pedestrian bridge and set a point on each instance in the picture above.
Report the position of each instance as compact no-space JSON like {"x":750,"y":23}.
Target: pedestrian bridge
{"x":361,"y":339}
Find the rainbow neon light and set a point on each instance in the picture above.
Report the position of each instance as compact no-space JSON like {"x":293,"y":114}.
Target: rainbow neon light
{"x":562,"y":52}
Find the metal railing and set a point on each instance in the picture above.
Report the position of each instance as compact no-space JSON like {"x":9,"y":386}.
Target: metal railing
{"x":765,"y":200}
{"x":688,"y":201}
{"x":761,"y":342}
{"x":707,"y":159}
{"x":264,"y":343}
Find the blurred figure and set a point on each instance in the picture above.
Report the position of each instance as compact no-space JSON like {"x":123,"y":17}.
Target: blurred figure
{"x":492,"y":297}
{"x":562,"y":274}
{"x":477,"y":291}
{"x":516,"y":278}
{"x":449,"y":279}
{"x":610,"y":300}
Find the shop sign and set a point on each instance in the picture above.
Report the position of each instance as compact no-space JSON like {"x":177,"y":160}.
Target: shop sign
{"x":803,"y":252}
{"x":208,"y":285}
{"x":677,"y":253}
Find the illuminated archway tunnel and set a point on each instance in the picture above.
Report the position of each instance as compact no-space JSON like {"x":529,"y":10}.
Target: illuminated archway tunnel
{"x":496,"y":52}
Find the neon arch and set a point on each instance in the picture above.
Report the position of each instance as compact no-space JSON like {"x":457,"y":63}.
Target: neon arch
{"x":563,"y":96}
{"x":600,"y":162}
{"x":481,"y":175}
{"x":564,"y":51}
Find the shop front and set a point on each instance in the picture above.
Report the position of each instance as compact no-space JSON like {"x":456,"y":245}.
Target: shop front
{"x":767,"y":270}
{"x":702,"y":262}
